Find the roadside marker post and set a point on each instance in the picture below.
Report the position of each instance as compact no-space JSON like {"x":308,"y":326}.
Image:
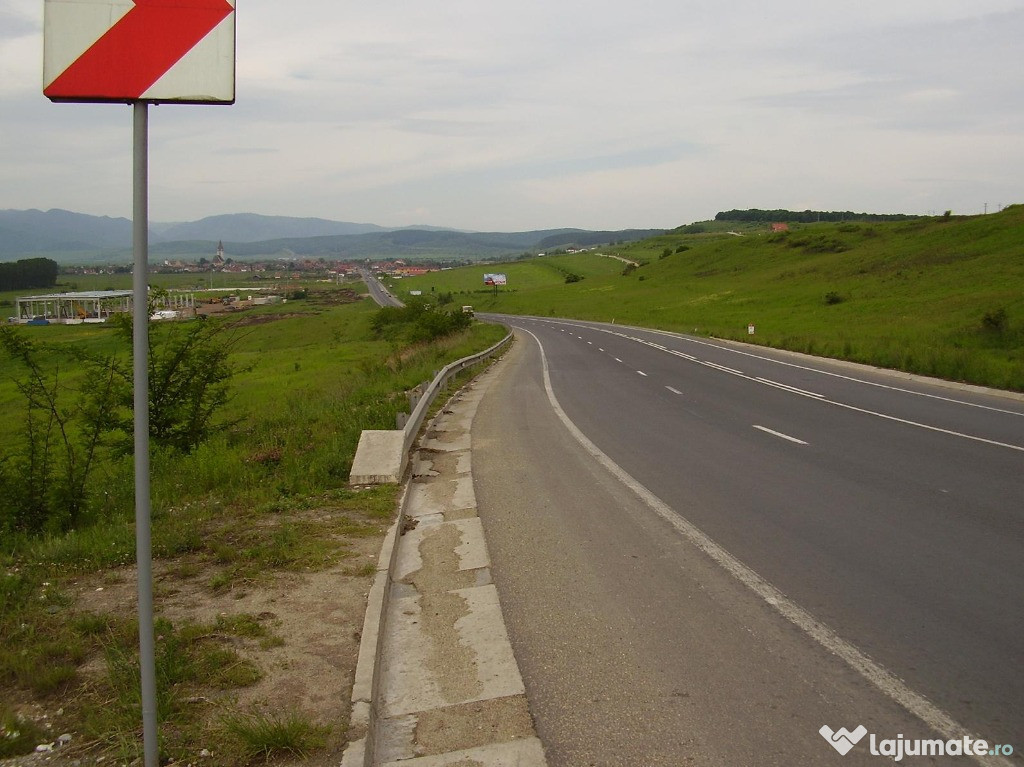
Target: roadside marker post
{"x":140,"y":52}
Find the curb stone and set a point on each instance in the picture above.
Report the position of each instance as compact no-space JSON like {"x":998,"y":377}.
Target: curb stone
{"x":436,"y":682}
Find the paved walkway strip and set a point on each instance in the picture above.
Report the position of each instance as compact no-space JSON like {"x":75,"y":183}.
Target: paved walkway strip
{"x":449,"y":691}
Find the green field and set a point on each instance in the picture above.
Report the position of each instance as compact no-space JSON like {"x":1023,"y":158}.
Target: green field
{"x":265,"y":497}
{"x":935,"y":296}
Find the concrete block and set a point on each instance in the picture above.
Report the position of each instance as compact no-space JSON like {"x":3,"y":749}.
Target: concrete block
{"x":380,"y":458}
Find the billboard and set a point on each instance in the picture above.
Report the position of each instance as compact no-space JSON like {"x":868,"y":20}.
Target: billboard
{"x":495,"y":279}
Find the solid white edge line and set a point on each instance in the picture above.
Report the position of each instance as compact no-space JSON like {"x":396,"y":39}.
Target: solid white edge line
{"x":874,"y":673}
{"x":779,"y":434}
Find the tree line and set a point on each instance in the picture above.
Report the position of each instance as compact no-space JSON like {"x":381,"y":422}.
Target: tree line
{"x":28,"y":273}
{"x":807,"y":216}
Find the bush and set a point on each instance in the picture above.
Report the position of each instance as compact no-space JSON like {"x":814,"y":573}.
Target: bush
{"x":189,"y":383}
{"x":832,"y":298}
{"x":416,"y":322}
{"x":997,"y":321}
{"x":69,"y":426}
{"x":572,"y":277}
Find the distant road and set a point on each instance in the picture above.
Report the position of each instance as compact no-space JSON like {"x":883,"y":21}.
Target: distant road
{"x":378,"y":292}
{"x":706,"y":552}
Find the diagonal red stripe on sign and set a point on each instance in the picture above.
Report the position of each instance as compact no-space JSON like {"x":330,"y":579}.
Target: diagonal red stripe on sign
{"x":139,"y":49}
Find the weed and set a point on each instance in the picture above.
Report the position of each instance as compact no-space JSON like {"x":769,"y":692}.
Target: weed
{"x":995,"y":321}
{"x":18,"y":735}
{"x":361,"y":572}
{"x":221,"y":581}
{"x":242,"y":625}
{"x":264,"y":736}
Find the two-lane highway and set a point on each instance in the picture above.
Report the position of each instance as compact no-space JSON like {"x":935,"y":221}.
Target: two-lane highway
{"x":378,"y":292}
{"x":883,"y":516}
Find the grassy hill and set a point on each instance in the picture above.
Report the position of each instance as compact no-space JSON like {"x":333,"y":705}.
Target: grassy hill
{"x":937,"y":296}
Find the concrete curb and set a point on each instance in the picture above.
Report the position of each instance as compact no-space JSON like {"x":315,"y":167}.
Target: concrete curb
{"x":373,"y":731}
{"x":367,"y":676}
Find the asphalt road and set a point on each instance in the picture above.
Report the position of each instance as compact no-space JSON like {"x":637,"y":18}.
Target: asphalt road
{"x":378,"y":292}
{"x":806,"y":544}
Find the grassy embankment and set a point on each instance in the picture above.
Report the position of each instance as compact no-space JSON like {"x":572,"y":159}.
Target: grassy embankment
{"x":940,"y":297}
{"x":265,"y":496}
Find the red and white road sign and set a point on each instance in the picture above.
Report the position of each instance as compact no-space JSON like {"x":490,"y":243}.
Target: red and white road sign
{"x":146,"y":50}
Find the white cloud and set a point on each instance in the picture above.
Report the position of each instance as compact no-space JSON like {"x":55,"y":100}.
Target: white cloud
{"x":576,"y":113}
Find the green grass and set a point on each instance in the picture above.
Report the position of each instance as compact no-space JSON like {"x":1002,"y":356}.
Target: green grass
{"x":909,"y":295}
{"x":263,"y":737}
{"x":266,"y":495}
{"x":18,"y":735}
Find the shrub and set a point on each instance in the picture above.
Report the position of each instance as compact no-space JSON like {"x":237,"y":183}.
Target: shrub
{"x":265,"y":737}
{"x":997,"y":321}
{"x":832,"y":298}
{"x":416,"y":322}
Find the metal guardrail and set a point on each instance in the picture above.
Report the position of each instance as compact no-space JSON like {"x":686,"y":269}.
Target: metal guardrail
{"x":419,"y":413}
{"x":383,"y":456}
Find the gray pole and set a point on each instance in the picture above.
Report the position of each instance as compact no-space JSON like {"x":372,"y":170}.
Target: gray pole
{"x":140,"y":355}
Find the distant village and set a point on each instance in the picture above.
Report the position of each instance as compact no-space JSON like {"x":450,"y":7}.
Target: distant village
{"x":98,"y":306}
{"x":277,"y":268}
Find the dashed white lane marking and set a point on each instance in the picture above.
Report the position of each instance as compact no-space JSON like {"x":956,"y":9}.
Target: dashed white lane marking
{"x":673,"y":390}
{"x":779,"y":434}
{"x":821,"y":398}
{"x":642,"y":373}
{"x":715,"y":365}
{"x":787,"y":387}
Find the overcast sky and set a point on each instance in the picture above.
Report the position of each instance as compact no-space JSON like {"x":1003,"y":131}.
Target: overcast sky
{"x":552,"y":113}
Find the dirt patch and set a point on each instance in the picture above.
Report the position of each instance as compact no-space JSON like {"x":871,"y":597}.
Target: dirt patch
{"x":470,"y":725}
{"x":263,"y":319}
{"x":309,"y":623}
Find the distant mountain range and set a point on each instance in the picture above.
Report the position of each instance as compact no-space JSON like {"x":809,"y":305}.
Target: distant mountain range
{"x":70,"y":238}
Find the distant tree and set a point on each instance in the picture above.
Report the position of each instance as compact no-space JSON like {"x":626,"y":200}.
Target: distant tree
{"x":29,"y":273}
{"x":806,"y":216}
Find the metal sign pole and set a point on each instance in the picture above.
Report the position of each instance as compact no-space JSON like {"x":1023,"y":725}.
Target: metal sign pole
{"x":140,"y":356}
